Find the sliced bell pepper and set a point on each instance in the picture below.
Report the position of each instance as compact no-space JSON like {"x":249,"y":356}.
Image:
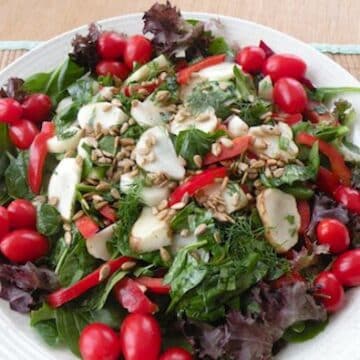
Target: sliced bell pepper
{"x":305,"y":215}
{"x":183,"y":76}
{"x":132,"y":89}
{"x":337,"y":162}
{"x":196,"y":182}
{"x":290,"y":119}
{"x":37,"y":156}
{"x":154,"y":285}
{"x":86,"y":226}
{"x":348,"y":197}
{"x":108,"y":213}
{"x":317,"y":113}
{"x":240,"y":145}
{"x":327,"y":181}
{"x":64,"y":295}
{"x":130,"y":296}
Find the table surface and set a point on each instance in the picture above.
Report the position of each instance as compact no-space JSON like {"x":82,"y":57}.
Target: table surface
{"x":329,"y":21}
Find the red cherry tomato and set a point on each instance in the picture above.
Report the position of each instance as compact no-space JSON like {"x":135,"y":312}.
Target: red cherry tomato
{"x":290,"y":95}
{"x":176,"y":353}
{"x":251,"y":59}
{"x":329,"y":291}
{"x":10,"y":111}
{"x":284,"y":65}
{"x":23,"y":133}
{"x":4,"y":222}
{"x":24,"y":245}
{"x":114,"y":68}
{"x":111,"y":45}
{"x":99,"y":342}
{"x":333,"y":233}
{"x":140,"y":337}
{"x":138,"y":50}
{"x":22,"y":214}
{"x":37,"y":108}
{"x":347,"y":268}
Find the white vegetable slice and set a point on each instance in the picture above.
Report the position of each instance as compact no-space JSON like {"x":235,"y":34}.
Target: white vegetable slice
{"x":236,"y":126}
{"x":160,"y":63}
{"x":90,"y":141}
{"x":103,"y":113}
{"x":281,"y":219}
{"x":148,"y":113}
{"x":62,"y":186}
{"x":274,"y":141}
{"x":56,"y":145}
{"x":265,"y":88}
{"x":150,"y":196}
{"x":96,"y":245}
{"x":206,"y":121}
{"x":107,"y":92}
{"x":156,"y":153}
{"x":219,"y":72}
{"x":64,"y":104}
{"x":149,"y":233}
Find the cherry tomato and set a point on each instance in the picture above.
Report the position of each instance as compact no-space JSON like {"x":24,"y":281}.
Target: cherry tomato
{"x":22,"y":214}
{"x":140,"y":337}
{"x":37,"y":107}
{"x":111,"y":45}
{"x":99,"y":342}
{"x":251,"y":59}
{"x":284,"y":65}
{"x":176,"y":353}
{"x":20,"y":246}
{"x":333,"y":233}
{"x":10,"y":111}
{"x":114,"y":68}
{"x":290,"y":95}
{"x":23,"y":133}
{"x":347,"y":268}
{"x":138,"y":50}
{"x":329,"y":291}
{"x":4,"y":222}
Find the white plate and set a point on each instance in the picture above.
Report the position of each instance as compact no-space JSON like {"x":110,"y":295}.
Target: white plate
{"x":340,"y":340}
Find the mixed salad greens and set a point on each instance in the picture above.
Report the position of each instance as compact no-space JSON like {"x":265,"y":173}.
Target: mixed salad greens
{"x":204,"y":200}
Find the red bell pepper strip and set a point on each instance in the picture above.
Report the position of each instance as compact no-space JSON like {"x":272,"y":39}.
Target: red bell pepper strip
{"x":108,"y":213}
{"x":86,"y":226}
{"x":154,"y":285}
{"x":64,"y":295}
{"x":305,"y":215}
{"x":290,"y":119}
{"x":196,"y":182}
{"x":317,"y":113}
{"x":348,"y":197}
{"x":130,"y":296}
{"x":337,"y":162}
{"x":327,"y":181}
{"x":132,"y":89}
{"x":240,"y":145}
{"x":183,"y":76}
{"x":37,"y":156}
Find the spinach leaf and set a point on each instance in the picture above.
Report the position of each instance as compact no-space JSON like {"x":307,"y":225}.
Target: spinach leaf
{"x":207,"y":95}
{"x":298,"y":191}
{"x":4,"y":138}
{"x":304,"y":331}
{"x":193,"y":142}
{"x":324,"y":94}
{"x":16,"y":177}
{"x":244,"y":84}
{"x":107,"y":143}
{"x":83,"y":90}
{"x":48,"y":331}
{"x":75,"y":262}
{"x":133,"y":132}
{"x":48,"y":220}
{"x":296,"y":173}
{"x":55,"y":82}
{"x":219,"y":46}
{"x":65,"y":119}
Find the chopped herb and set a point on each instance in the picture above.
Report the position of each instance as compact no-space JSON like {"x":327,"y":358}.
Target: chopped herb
{"x":290,"y":219}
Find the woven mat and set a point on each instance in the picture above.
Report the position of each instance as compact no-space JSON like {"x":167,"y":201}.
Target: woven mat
{"x":349,"y":62}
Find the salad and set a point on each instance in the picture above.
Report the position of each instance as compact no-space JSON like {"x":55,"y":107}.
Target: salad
{"x":170,"y":196}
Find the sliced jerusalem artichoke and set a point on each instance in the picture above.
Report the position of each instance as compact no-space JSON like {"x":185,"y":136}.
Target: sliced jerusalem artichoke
{"x":236,"y":126}
{"x":219,"y":72}
{"x":156,"y":153}
{"x":105,"y":114}
{"x":56,"y":145}
{"x":206,"y":121}
{"x":281,"y":219}
{"x":149,"y":233}
{"x":97,"y":244}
